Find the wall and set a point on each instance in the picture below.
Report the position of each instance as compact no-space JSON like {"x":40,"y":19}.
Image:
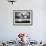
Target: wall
{"x":37,"y":31}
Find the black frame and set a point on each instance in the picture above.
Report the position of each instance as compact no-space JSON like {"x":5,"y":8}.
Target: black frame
{"x":31,"y":17}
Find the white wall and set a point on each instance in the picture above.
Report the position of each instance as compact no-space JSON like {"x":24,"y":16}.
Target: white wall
{"x":38,"y":30}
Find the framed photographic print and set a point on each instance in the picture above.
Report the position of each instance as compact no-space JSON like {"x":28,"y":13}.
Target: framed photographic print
{"x":22,"y":17}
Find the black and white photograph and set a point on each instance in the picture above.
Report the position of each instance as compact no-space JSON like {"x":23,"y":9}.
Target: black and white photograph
{"x":22,"y":17}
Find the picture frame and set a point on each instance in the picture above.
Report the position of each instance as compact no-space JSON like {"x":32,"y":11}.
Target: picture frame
{"x":22,"y":17}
